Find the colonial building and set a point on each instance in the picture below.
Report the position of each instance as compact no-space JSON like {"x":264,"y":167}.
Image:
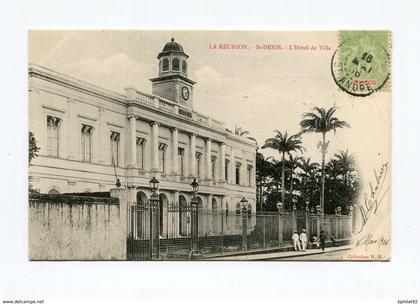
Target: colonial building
{"x":90,"y":136}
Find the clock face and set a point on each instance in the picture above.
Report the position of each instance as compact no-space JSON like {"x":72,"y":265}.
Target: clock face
{"x":185,"y":93}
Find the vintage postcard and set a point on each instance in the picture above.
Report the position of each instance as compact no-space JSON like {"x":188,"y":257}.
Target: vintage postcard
{"x":209,"y":145}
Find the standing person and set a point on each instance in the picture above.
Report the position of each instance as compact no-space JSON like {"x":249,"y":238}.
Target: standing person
{"x":296,"y":243}
{"x":333,"y":240}
{"x":304,"y":239}
{"x":322,"y":237}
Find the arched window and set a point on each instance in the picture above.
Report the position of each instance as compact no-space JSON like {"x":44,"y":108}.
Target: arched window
{"x":165,"y":64}
{"x":238,"y":214}
{"x":53,"y":191}
{"x":184,"y":66}
{"x":175,"y":64}
{"x":184,"y":216}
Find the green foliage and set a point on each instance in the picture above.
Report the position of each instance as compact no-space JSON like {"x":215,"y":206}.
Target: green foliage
{"x":321,"y":121}
{"x":283,"y":143}
{"x":33,"y":147}
{"x":341,"y":183}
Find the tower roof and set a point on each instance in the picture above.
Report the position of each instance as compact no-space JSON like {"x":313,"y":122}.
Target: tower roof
{"x":172,"y":47}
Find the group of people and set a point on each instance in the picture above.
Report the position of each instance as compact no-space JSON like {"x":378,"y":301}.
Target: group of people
{"x":300,"y":241}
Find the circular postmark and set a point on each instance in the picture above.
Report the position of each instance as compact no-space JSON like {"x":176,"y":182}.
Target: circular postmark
{"x":361,"y":64}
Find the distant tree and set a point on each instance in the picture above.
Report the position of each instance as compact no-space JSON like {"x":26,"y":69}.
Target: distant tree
{"x":322,"y":121}
{"x":342,"y":182}
{"x":240,"y":131}
{"x":284,"y":144}
{"x":292,"y":164}
{"x":309,"y":185}
{"x":33,"y":150}
{"x":33,"y":147}
{"x":263,"y":171}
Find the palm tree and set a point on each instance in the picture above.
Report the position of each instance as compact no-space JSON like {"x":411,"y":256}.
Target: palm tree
{"x":33,"y":147}
{"x":322,"y":121}
{"x":240,"y":131}
{"x":310,"y":170}
{"x":263,"y":171}
{"x":345,"y":162}
{"x":283,"y":143}
{"x":293,"y":163}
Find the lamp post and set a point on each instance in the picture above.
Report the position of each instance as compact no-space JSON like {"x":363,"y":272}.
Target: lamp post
{"x":294,"y":201}
{"x":244,"y":203}
{"x":194,"y":188}
{"x":194,"y":219}
{"x":294,"y":208}
{"x":352,"y":218}
{"x":318,"y":209}
{"x":318,"y":219}
{"x":154,"y":220}
{"x":279,"y":206}
{"x":307,"y":216}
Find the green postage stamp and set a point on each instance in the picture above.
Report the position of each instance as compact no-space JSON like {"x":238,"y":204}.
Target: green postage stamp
{"x":361,"y":65}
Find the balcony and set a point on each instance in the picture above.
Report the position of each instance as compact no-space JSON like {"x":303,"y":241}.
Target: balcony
{"x":172,"y":107}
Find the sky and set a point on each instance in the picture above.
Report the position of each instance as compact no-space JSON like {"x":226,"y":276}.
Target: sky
{"x":259,"y":90}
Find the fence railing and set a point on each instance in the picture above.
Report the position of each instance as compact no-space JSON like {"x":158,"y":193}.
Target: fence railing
{"x":223,"y":233}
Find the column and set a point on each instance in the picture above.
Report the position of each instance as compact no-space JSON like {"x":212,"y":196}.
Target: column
{"x":175,"y":169}
{"x":173,"y":219}
{"x":232,"y":166}
{"x":103,"y":142}
{"x":222,"y":162}
{"x":132,"y":142}
{"x":192,"y":161}
{"x":155,"y":147}
{"x":209,"y":214}
{"x":244,"y":168}
{"x":71,"y":148}
{"x":208,"y":159}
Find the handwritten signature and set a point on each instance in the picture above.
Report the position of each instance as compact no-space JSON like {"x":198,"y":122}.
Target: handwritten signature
{"x":373,"y":201}
{"x":369,"y":240}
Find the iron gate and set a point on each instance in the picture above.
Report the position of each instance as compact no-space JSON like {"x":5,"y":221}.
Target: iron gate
{"x":143,"y":231}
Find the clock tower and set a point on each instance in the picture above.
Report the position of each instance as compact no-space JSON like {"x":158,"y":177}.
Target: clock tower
{"x":173,"y":82}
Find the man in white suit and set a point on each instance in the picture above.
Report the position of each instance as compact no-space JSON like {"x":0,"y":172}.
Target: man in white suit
{"x":304,"y":239}
{"x":296,"y":243}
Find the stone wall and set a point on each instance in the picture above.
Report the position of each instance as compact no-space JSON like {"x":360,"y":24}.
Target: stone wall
{"x":65,"y":227}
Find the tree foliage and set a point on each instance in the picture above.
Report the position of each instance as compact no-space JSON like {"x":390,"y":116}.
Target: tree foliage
{"x":33,"y":147}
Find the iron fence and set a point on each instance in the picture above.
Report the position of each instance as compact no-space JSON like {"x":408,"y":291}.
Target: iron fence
{"x":188,"y":232}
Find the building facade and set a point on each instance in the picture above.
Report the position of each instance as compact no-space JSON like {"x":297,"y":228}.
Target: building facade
{"x":90,"y":136}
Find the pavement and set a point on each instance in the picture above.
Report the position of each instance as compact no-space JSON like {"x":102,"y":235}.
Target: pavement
{"x":280,"y":255}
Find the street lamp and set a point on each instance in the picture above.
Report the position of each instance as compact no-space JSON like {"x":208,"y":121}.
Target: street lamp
{"x":153,"y":218}
{"x":194,"y":187}
{"x":294,"y":201}
{"x":244,"y":203}
{"x":154,"y":184}
{"x":194,"y":219}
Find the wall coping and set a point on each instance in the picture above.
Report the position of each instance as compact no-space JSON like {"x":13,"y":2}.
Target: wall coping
{"x":71,"y":199}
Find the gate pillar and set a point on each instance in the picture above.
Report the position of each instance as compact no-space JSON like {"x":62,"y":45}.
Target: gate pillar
{"x":194,"y":229}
